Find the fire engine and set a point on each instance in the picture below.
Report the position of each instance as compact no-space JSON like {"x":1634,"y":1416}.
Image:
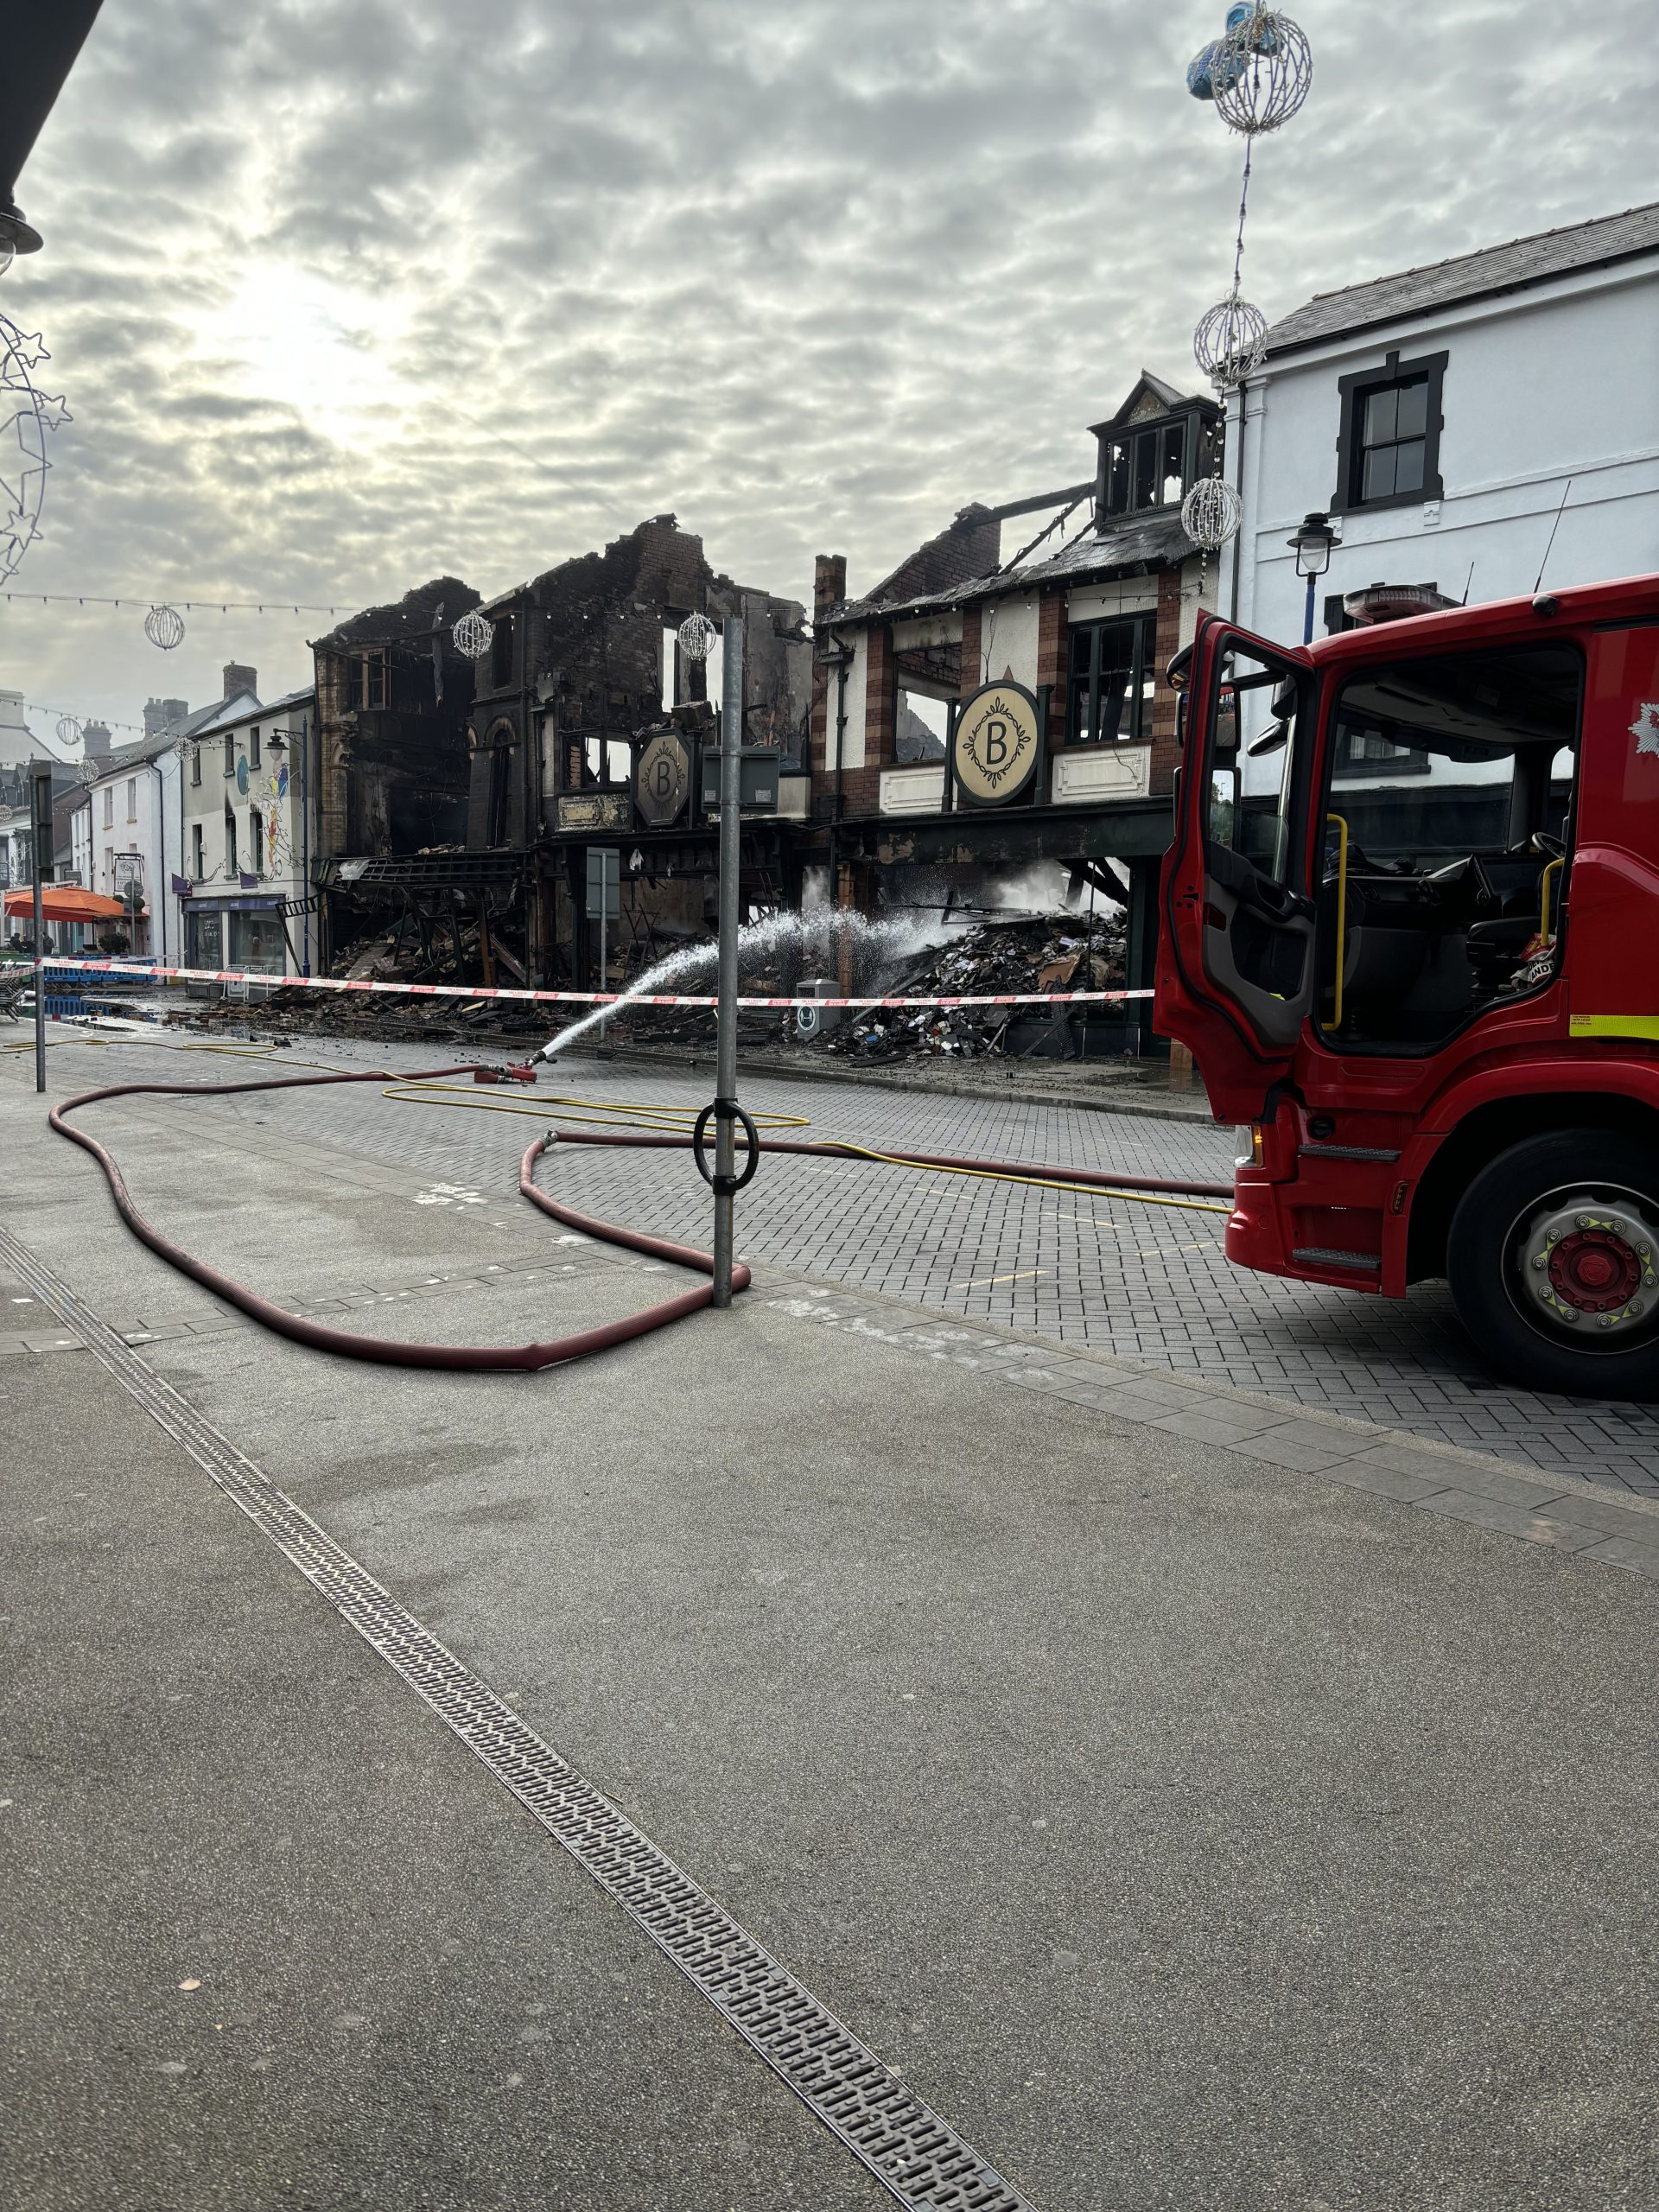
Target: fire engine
{"x":1409,"y":930}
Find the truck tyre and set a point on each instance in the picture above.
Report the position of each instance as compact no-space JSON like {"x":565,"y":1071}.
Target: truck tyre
{"x":1553,"y":1256}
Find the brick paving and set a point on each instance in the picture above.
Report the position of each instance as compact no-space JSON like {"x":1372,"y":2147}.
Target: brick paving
{"x":1146,"y":1283}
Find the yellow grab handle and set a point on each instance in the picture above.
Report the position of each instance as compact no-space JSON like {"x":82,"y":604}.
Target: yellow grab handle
{"x":1342,"y":911}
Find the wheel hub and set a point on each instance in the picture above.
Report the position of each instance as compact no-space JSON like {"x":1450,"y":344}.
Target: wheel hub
{"x":1590,"y":1265}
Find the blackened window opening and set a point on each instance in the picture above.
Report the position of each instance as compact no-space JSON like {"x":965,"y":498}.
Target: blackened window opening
{"x":1112,"y":681}
{"x":500,"y":792}
{"x":501,"y":650}
{"x":1154,"y":467}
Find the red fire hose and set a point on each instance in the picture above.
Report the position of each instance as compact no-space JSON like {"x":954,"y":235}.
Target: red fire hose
{"x":528,"y":1357}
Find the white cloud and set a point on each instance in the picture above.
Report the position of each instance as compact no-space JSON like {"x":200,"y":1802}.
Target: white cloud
{"x":811,"y":275}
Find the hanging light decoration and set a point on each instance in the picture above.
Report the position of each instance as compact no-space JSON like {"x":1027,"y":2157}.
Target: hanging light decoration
{"x":26,"y":416}
{"x":472,"y":634}
{"x":164,"y":626}
{"x":68,"y":730}
{"x":1210,"y":513}
{"x":1261,"y":71}
{"x":1231,"y":342}
{"x":697,"y":635}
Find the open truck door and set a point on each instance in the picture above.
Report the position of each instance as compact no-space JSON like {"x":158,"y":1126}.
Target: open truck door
{"x":1237,"y":970}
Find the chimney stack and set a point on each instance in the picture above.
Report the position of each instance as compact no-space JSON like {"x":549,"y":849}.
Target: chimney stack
{"x":95,"y":738}
{"x":828,"y":583}
{"x":239,"y":678}
{"x":160,"y":714}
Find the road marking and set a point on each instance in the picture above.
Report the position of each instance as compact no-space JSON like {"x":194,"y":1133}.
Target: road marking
{"x":979,"y":1282}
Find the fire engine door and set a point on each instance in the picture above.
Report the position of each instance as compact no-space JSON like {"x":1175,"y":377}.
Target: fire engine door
{"x":1236,"y":970}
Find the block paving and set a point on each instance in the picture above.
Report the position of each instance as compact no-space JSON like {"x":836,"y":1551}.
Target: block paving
{"x":1146,"y":1283}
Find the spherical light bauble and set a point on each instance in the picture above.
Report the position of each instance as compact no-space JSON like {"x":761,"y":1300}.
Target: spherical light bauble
{"x":1231,"y":342}
{"x":1211,"y":512}
{"x":472,"y":634}
{"x":697,"y":635}
{"x":1262,"y":72}
{"x":164,"y":626}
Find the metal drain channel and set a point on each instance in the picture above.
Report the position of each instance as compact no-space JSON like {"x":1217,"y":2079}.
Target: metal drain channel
{"x":907,"y":2147}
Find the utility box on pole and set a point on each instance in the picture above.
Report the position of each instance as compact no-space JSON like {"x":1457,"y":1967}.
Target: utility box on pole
{"x":757,"y":771}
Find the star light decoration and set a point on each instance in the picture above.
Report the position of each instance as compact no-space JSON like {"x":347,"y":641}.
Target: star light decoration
{"x":472,"y":634}
{"x":697,"y":635}
{"x":27,"y":414}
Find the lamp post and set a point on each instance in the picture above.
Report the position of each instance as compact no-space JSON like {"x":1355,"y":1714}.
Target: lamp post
{"x":1311,"y":545}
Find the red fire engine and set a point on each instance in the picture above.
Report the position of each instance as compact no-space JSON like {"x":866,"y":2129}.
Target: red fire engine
{"x":1410,"y":931}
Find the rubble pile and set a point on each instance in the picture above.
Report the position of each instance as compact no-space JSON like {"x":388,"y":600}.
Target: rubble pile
{"x":1050,"y":953}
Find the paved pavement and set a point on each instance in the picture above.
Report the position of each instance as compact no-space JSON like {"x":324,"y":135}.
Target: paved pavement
{"x":1196,"y":1802}
{"x":1146,"y":1282}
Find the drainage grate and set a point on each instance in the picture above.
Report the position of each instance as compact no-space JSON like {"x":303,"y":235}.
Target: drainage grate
{"x":907,"y":2147}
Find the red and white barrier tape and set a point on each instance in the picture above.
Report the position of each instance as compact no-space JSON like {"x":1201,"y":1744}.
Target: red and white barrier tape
{"x":141,"y":968}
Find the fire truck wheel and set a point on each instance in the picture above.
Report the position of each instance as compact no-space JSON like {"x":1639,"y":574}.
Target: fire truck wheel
{"x":1554,"y":1260}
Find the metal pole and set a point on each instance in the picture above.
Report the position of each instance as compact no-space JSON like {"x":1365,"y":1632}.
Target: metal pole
{"x":731,"y":739}
{"x":1307,"y":619}
{"x":604,"y":952}
{"x":36,"y":842}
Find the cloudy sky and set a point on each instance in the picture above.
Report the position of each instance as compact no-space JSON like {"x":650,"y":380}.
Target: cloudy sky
{"x":344,"y":294}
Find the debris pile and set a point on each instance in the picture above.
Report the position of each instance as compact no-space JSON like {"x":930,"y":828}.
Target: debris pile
{"x":1051,"y":954}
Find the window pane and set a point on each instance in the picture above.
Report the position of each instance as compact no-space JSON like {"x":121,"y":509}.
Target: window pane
{"x":1408,"y":467}
{"x":1414,"y":409}
{"x":1146,"y":470}
{"x":1381,"y":412}
{"x":1175,"y":463}
{"x":1081,"y":733}
{"x":1117,"y":480}
{"x":1379,"y":474}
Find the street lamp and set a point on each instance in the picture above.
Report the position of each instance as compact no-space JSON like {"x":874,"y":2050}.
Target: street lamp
{"x":1311,"y":545}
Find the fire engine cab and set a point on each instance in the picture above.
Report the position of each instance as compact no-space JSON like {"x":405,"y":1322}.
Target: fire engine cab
{"x":1410,"y":932}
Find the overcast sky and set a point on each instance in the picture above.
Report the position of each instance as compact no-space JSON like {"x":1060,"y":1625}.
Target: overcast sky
{"x":811,"y":275}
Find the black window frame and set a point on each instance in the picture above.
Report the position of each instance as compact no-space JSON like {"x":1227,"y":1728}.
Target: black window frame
{"x":1083,"y":691}
{"x":1150,"y":434}
{"x":1354,"y":391}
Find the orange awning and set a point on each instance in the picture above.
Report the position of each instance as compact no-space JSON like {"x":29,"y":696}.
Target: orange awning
{"x":64,"y":902}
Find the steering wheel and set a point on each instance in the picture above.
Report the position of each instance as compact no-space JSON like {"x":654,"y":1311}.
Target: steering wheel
{"x":1553,"y":848}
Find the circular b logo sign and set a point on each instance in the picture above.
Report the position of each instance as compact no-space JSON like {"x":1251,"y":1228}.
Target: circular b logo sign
{"x":664,"y":781}
{"x":994,"y":749}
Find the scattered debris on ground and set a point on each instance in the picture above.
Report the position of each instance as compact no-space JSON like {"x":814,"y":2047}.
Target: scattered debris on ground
{"x":1049,"y":953}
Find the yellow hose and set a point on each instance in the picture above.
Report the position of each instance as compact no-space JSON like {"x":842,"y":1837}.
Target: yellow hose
{"x":677,"y":1120}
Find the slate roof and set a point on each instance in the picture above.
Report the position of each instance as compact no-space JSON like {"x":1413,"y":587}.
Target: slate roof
{"x":1138,"y":542}
{"x":1494,"y":268}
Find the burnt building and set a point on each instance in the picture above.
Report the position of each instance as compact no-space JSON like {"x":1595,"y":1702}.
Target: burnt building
{"x":388,"y":765}
{"x":586,"y":725}
{"x":980,"y":711}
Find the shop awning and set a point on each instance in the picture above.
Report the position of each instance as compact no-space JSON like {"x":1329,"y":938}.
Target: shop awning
{"x":64,"y":902}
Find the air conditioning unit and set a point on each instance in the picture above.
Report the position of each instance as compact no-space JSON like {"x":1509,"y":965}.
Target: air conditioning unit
{"x":818,"y":1022}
